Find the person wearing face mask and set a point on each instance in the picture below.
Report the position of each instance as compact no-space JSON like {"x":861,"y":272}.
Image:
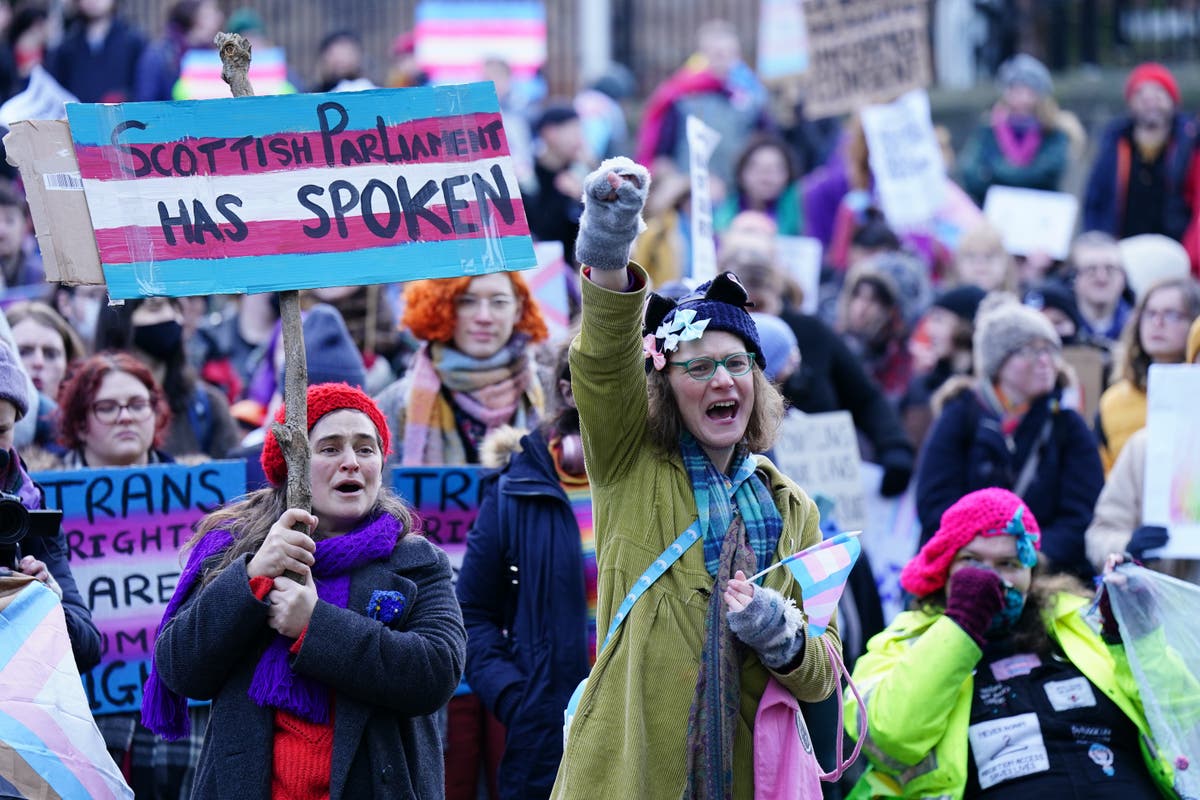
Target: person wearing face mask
{"x":152,"y":330}
{"x":528,"y":584}
{"x":80,"y":307}
{"x":994,"y":685}
{"x":1007,"y":427}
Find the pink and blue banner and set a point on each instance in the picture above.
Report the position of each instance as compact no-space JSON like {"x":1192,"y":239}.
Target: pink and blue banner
{"x":200,"y":74}
{"x":447,"y":501}
{"x":124,"y":530}
{"x":258,"y":194}
{"x":49,"y":745}
{"x":454,"y":37}
{"x":822,"y":571}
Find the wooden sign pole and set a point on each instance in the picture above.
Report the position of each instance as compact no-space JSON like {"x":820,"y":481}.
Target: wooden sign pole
{"x":292,"y":435}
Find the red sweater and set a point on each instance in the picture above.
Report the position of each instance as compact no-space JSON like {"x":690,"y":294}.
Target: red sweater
{"x":302,"y":751}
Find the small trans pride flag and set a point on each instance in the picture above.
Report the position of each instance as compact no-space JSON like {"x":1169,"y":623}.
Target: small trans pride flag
{"x":822,"y":571}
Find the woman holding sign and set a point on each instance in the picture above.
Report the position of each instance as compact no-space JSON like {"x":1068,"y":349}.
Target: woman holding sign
{"x":995,"y":685}
{"x":320,"y":687}
{"x":670,"y":416}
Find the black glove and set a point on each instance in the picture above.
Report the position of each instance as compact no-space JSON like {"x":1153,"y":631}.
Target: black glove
{"x":975,"y":596}
{"x":1147,"y":537}
{"x":895,"y":481}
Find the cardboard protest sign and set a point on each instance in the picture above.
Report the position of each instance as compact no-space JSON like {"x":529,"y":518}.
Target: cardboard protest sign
{"x":1032,"y":221}
{"x":454,"y":37}
{"x":820,"y":452}
{"x":906,"y":159}
{"x":702,"y":141}
{"x":124,"y":529}
{"x":257,"y":194}
{"x":61,"y":223}
{"x":863,"y":51}
{"x":1171,"y":494}
{"x":782,"y":39}
{"x":447,"y":501}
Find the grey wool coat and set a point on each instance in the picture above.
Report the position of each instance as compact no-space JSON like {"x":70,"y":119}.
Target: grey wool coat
{"x":386,"y":679}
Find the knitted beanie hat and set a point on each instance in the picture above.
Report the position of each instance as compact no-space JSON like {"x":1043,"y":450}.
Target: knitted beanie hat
{"x":716,"y":305}
{"x":1156,"y":73}
{"x":1193,"y":341}
{"x":1054,"y":295}
{"x":904,"y":278}
{"x":14,"y":386}
{"x":962,"y":301}
{"x":1003,"y":330}
{"x":1150,"y":258}
{"x":778,"y":341}
{"x":987,"y":512}
{"x":323,"y":399}
{"x":330,"y":351}
{"x":1025,"y":70}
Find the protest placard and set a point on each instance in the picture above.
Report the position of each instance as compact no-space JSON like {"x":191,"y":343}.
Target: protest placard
{"x":447,"y":501}
{"x":906,"y":159}
{"x":548,"y":283}
{"x":124,"y":529}
{"x":1032,"y":221}
{"x":255,"y":194}
{"x":702,"y":141}
{"x":1171,"y":494}
{"x":782,"y":39}
{"x":891,"y":537}
{"x":453,"y":37}
{"x":820,"y":452}
{"x":863,"y":51}
{"x":801,"y":257}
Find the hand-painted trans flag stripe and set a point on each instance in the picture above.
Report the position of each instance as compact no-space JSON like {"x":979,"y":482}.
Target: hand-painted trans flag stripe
{"x":232,"y":118}
{"x":187,"y":277}
{"x":822,"y":571}
{"x":279,"y":153}
{"x":45,"y":722}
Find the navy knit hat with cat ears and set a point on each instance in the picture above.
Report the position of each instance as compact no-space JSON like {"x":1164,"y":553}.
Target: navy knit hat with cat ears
{"x":716,"y":305}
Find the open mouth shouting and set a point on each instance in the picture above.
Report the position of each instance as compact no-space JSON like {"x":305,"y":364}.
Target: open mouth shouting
{"x":723,"y":410}
{"x":349,"y":488}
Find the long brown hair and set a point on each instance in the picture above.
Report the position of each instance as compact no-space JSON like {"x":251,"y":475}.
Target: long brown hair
{"x":665,"y":423}
{"x":249,"y":520}
{"x":1136,"y":366}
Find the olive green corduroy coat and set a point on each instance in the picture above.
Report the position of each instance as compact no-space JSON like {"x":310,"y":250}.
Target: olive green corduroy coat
{"x":629,"y":735}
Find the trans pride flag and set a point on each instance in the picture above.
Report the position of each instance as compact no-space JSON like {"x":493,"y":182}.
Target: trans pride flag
{"x":454,"y":37}
{"x":49,"y":744}
{"x":822,"y":571}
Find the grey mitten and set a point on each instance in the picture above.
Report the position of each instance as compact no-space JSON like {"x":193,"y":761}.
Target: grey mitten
{"x":771,"y":625}
{"x":610,"y":224}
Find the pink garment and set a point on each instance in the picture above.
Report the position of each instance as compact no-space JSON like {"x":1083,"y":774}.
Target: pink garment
{"x":785,"y":767}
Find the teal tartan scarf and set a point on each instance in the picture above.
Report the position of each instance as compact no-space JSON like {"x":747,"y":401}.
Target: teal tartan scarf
{"x":720,"y":497}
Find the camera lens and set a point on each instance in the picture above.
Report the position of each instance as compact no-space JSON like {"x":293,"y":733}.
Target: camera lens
{"x":14,"y":521}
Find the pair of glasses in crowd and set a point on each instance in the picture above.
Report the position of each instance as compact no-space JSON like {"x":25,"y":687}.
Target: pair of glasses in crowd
{"x":703,"y":368}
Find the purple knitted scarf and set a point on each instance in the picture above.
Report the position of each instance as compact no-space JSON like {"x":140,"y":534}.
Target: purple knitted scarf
{"x":274,"y":684}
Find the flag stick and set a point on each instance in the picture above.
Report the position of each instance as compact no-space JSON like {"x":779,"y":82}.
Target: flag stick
{"x":814,"y":548}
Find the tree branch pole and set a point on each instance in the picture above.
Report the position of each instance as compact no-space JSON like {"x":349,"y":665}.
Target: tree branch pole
{"x":292,"y":435}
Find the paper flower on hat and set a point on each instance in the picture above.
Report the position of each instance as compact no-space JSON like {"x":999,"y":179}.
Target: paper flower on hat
{"x":670,"y":339}
{"x":650,"y":350}
{"x":1016,"y":527}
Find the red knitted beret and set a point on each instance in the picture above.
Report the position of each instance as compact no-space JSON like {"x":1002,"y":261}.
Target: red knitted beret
{"x":987,"y":512}
{"x":1151,"y":71}
{"x":324,"y":398}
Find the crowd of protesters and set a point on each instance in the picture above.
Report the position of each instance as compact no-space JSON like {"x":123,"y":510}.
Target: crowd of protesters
{"x":953,"y":356}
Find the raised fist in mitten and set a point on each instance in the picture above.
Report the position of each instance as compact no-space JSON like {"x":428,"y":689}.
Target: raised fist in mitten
{"x":613,"y":197}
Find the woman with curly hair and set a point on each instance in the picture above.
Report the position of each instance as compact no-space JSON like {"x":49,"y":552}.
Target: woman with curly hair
{"x":473,"y":372}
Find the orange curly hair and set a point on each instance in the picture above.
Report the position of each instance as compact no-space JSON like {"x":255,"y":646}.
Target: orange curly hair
{"x":429,"y":308}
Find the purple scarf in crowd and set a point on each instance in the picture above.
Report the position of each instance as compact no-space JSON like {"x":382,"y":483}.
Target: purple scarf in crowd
{"x":274,"y":685}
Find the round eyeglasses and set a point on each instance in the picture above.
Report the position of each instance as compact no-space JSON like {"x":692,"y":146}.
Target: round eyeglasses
{"x":109,"y":411}
{"x":703,"y":368}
